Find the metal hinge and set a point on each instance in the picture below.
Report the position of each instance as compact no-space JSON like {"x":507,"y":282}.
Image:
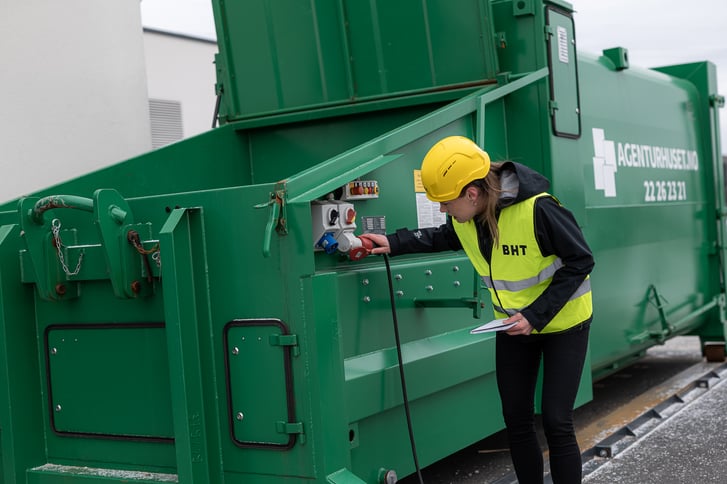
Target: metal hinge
{"x":549,"y":32}
{"x":284,"y":339}
{"x":553,"y":107}
{"x":276,"y":218}
{"x":291,"y":428}
{"x":290,"y":340}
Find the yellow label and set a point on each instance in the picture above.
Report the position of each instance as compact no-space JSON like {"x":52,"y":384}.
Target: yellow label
{"x":418,"y":185}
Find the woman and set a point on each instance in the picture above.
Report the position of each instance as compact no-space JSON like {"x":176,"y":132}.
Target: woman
{"x":531,"y":254}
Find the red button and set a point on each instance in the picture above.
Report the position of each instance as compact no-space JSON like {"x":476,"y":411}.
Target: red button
{"x":350,"y":216}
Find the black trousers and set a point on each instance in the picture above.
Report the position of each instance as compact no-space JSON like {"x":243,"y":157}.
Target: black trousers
{"x":518,"y":362}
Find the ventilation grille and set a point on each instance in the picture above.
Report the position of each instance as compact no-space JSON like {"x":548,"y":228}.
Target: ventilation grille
{"x":166,"y":122}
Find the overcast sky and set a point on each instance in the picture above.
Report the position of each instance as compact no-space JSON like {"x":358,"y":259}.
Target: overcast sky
{"x":655,"y":32}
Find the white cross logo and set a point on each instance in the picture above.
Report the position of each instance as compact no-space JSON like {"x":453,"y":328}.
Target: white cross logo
{"x":604,"y":163}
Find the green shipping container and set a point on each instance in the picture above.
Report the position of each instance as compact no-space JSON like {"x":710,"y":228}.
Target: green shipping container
{"x":173,"y":318}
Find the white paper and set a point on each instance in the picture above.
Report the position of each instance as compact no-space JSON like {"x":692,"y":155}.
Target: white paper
{"x":428,"y":214}
{"x":494,"y":325}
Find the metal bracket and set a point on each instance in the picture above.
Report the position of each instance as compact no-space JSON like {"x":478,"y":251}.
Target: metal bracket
{"x":466,"y":302}
{"x":276,"y":217}
{"x":289,"y":340}
{"x":552,"y":107}
{"x":656,"y":300}
{"x":283,"y":339}
{"x":291,"y":428}
{"x":112,"y":217}
{"x":548,"y":32}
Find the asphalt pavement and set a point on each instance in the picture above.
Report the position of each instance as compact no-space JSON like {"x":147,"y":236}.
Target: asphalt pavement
{"x":621,"y":400}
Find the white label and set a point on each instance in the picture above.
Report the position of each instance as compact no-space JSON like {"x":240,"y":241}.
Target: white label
{"x":562,"y":44}
{"x":428,"y":214}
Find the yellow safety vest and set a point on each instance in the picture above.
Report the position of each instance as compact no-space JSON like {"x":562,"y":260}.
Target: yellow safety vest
{"x":519,"y":272}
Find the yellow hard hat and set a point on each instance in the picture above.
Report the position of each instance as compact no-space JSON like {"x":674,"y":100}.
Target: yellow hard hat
{"x":450,"y":165}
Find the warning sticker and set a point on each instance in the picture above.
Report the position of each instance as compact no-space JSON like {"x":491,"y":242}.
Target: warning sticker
{"x":428,"y":214}
{"x":418,"y":185}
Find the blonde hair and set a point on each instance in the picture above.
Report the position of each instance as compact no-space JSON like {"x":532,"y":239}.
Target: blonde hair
{"x":490,"y":189}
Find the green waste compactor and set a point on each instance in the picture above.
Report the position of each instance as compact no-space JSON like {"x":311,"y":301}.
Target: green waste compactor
{"x":204,"y":313}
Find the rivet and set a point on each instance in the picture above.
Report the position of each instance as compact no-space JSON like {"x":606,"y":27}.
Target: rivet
{"x":455,"y":268}
{"x":365,"y":282}
{"x":457,"y":283}
{"x":367,"y":299}
{"x":390,"y":477}
{"x":58,"y":408}
{"x":398,"y":277}
{"x":54,"y":351}
{"x":235,"y":350}
{"x":428,"y":272}
{"x":239,"y":416}
{"x":429,"y":288}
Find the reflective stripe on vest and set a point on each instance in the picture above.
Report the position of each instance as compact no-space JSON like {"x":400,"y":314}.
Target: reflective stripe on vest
{"x":528,"y":272}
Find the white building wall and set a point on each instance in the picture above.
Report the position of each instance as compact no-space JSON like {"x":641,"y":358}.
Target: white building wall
{"x":182,"y":69}
{"x":72,"y":89}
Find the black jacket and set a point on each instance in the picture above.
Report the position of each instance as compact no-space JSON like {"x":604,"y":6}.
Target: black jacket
{"x":557,"y":233}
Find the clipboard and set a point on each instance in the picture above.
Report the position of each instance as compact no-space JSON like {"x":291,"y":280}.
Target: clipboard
{"x":494,"y":325}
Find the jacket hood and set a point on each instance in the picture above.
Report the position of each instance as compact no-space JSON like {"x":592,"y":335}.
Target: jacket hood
{"x":520,"y":182}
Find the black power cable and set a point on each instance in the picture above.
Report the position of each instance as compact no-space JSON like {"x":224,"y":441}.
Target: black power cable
{"x":401,"y":370}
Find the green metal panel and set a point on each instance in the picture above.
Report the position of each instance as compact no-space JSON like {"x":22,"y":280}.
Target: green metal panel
{"x":521,"y":26}
{"x":704,"y":76}
{"x":149,"y":174}
{"x":402,"y":46}
{"x":187,"y":314}
{"x":648,"y":181}
{"x":109,"y":380}
{"x":564,"y":103}
{"x":321,"y":95}
{"x":258,"y":356}
{"x":312,"y":55}
{"x":205,"y":282}
{"x":21,"y":415}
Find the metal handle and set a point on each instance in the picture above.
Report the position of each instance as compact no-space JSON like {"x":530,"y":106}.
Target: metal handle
{"x":272,"y":222}
{"x":71,"y":201}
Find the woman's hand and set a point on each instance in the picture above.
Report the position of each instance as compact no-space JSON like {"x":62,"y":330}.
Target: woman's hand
{"x":380,"y":242}
{"x":522,"y":326}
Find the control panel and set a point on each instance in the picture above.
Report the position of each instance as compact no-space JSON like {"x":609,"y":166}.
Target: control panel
{"x":334,"y":220}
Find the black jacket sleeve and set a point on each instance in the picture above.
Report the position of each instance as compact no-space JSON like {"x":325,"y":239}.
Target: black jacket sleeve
{"x":435,"y":239}
{"x":558,"y":234}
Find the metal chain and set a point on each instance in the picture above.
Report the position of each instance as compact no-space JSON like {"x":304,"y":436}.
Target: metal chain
{"x":157,"y":258}
{"x":140,"y":249}
{"x":155,"y":252}
{"x":56,"y":228}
